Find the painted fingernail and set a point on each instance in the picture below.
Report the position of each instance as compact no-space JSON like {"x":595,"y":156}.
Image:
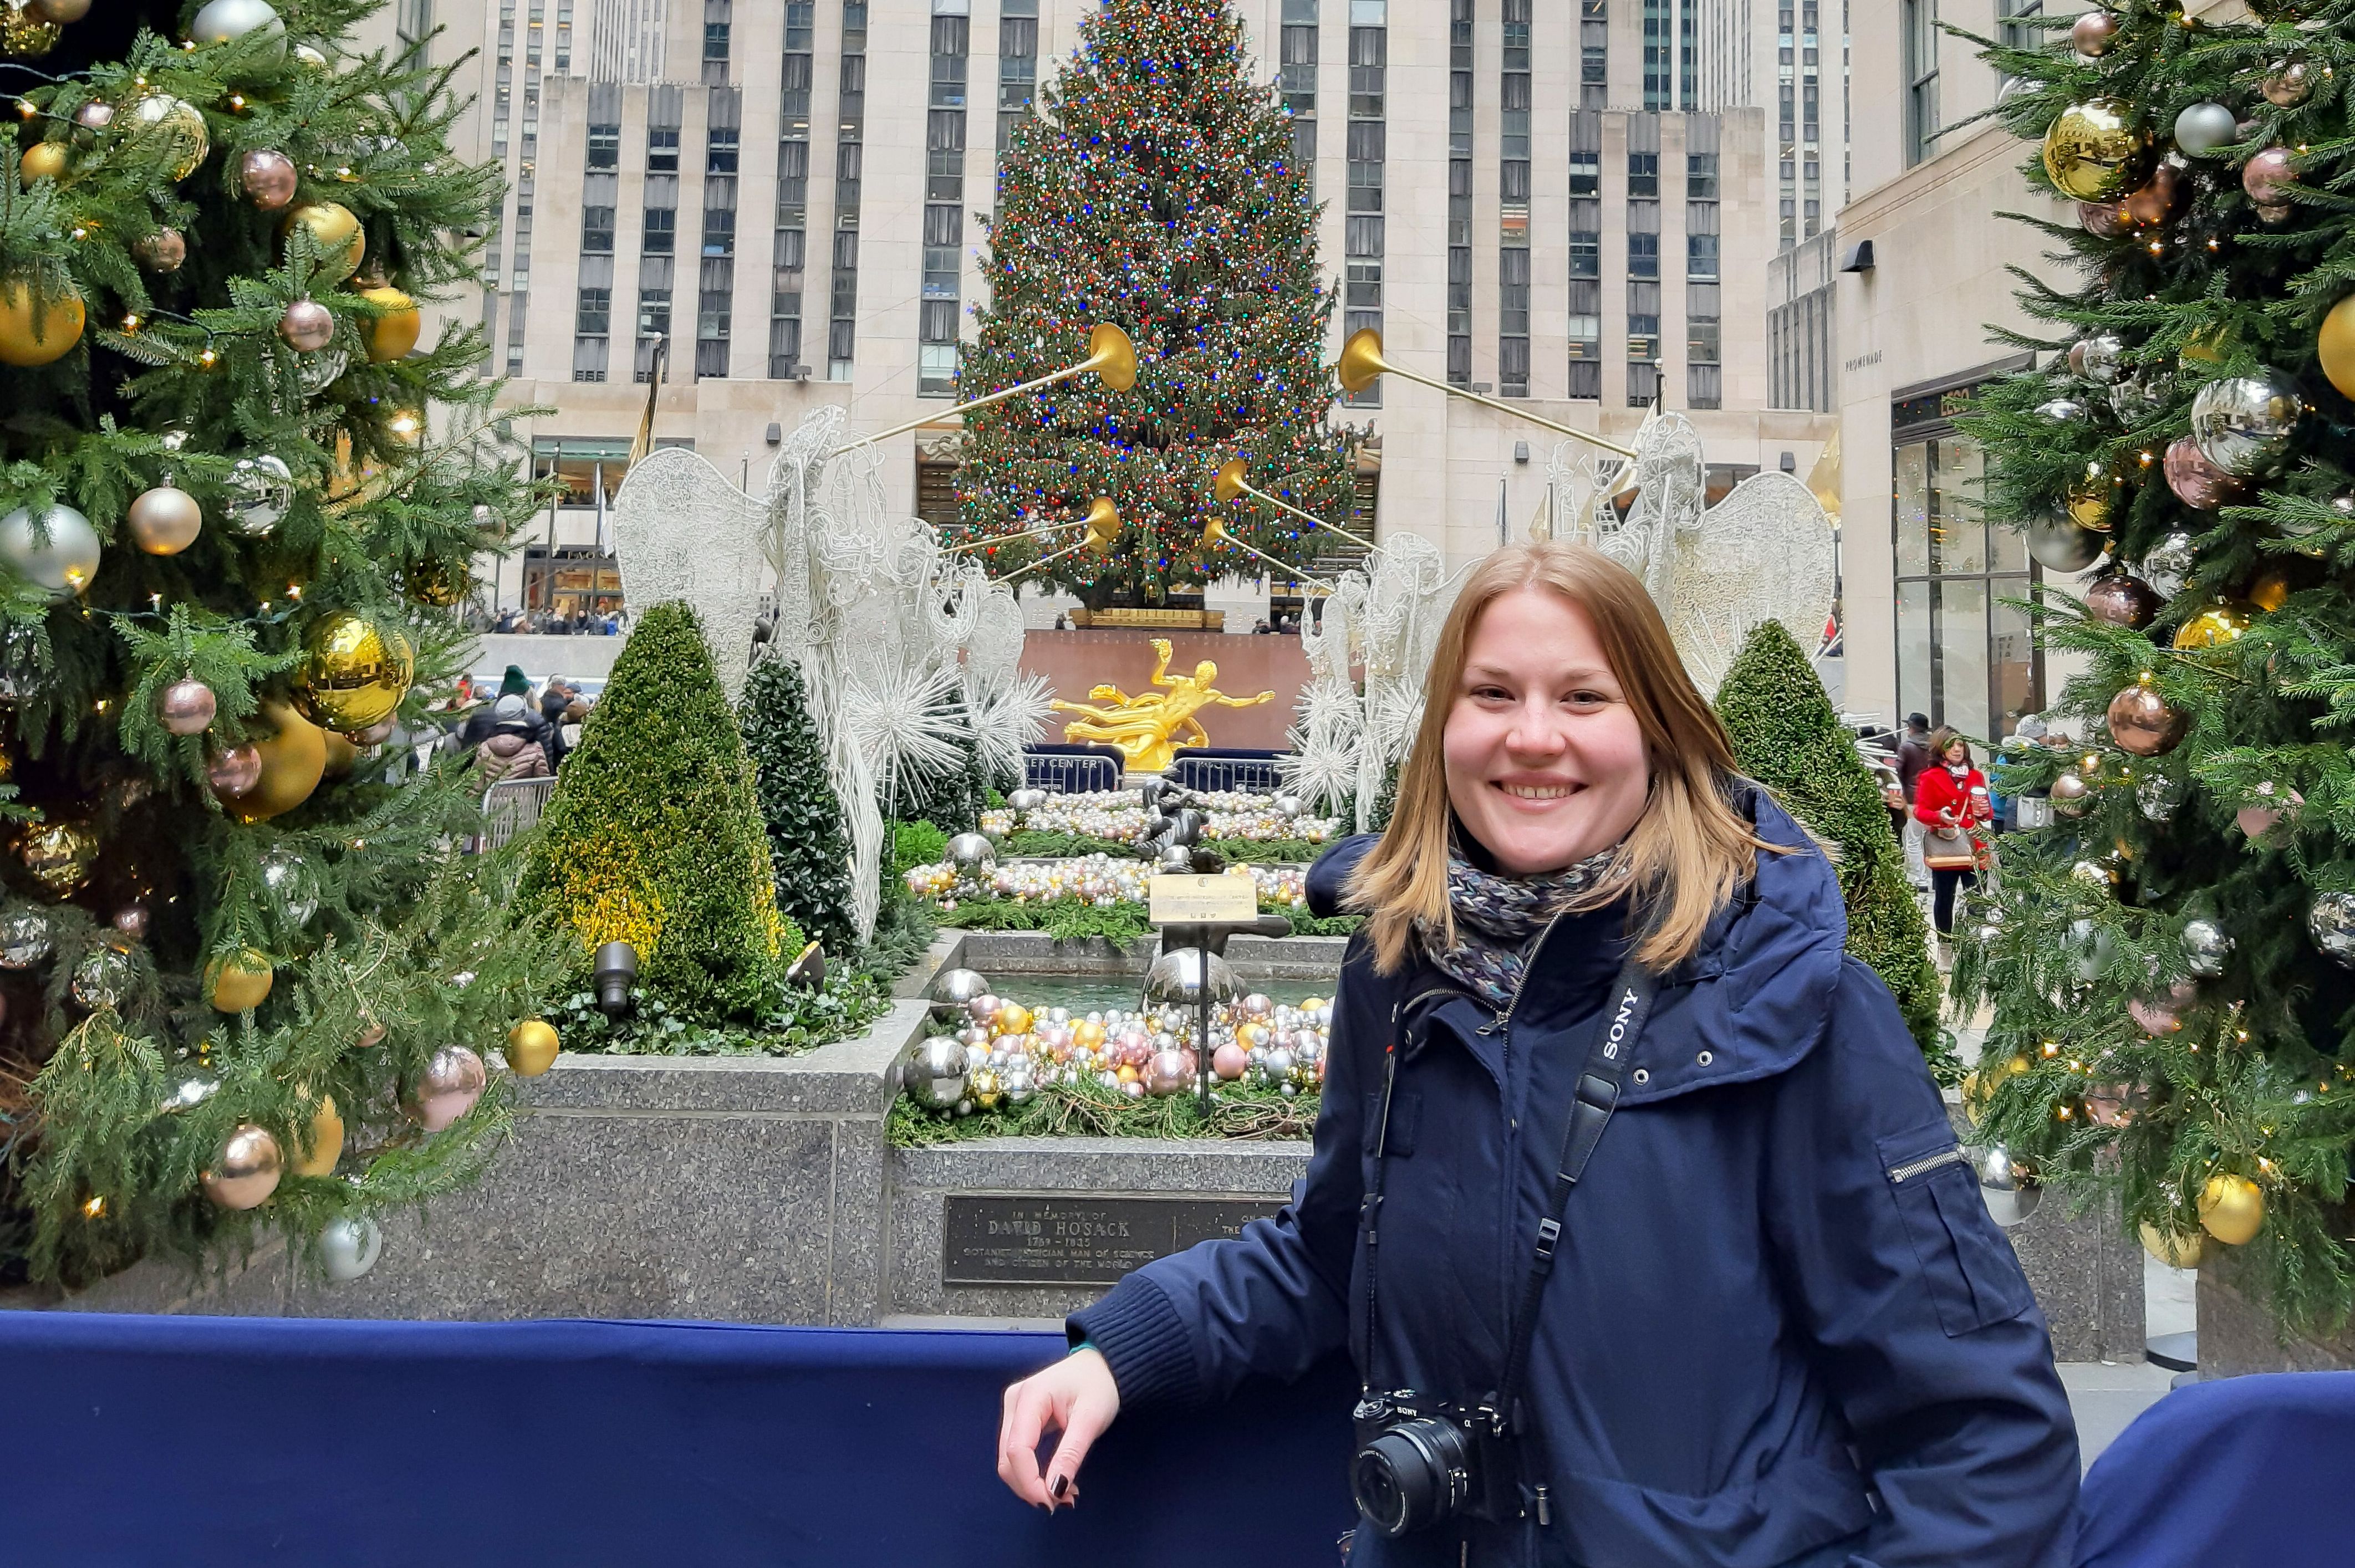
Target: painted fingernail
{"x":1061,"y":1485}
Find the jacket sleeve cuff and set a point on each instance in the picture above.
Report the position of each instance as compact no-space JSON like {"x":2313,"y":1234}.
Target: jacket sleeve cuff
{"x":1143,"y":1341}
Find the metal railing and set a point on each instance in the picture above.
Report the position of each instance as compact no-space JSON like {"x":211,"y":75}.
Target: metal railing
{"x":1227,"y":769}
{"x":509,"y":807}
{"x":1071,"y":770}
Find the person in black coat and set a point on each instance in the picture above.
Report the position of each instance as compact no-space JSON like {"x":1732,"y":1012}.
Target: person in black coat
{"x":1772,"y":1325}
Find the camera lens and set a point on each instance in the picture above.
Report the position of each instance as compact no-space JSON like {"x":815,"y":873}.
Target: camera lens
{"x":1413,"y":1475}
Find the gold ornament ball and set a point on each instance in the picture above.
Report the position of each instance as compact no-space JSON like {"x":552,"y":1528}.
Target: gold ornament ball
{"x":43,"y":161}
{"x":531,"y":1047}
{"x":2335,"y":344}
{"x":392,"y":334}
{"x":434,"y":583}
{"x":166,"y":520}
{"x":246,"y":1172}
{"x":293,"y":759}
{"x":24,"y":344}
{"x":57,"y":855}
{"x":2176,"y":1250}
{"x":2271,"y":591}
{"x":342,"y":755}
{"x":2232,"y":1208}
{"x":240,"y":982}
{"x":57,"y":13}
{"x":2093,"y":153}
{"x":161,"y":121}
{"x":2215,"y":626}
{"x":352,"y":672}
{"x":334,"y":234}
{"x":23,"y":33}
{"x":2090,"y":501}
{"x":327,"y":1141}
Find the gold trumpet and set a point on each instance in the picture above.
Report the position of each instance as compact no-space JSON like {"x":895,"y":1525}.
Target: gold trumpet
{"x":1214,"y":532}
{"x":1362,"y":361}
{"x":1102,"y":523}
{"x":1109,"y":355}
{"x":1231,"y":483}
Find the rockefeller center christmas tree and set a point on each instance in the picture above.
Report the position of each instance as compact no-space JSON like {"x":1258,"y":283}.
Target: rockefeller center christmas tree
{"x":1154,"y":190}
{"x":2172,"y":961}
{"x":250,"y":980}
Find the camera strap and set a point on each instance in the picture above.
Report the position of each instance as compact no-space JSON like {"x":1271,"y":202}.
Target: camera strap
{"x":1615,"y":1034}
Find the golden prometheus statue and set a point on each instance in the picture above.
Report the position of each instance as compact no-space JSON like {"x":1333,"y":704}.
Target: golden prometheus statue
{"x":1151,"y":725}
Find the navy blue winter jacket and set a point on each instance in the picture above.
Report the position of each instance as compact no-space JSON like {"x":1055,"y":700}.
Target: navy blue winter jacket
{"x":1783,"y":1332}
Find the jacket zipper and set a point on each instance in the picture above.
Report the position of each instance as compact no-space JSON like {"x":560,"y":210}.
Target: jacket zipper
{"x":1912,"y":1168}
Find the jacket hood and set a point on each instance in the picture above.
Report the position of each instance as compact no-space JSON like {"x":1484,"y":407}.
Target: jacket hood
{"x":1756,"y":994}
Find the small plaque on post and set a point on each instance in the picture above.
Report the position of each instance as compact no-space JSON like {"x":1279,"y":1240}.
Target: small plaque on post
{"x":1202,"y":900}
{"x":1077,"y":1238}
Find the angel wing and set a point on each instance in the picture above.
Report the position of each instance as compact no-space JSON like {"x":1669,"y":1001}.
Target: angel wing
{"x":683,"y":531}
{"x":1764,"y":553}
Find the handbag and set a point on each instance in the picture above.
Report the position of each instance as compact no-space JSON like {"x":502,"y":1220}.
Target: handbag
{"x":1948,"y":849}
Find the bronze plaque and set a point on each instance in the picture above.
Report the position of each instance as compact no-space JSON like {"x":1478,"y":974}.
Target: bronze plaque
{"x":1076,"y":1238}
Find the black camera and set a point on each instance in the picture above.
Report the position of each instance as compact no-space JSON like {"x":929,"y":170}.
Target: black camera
{"x":1422,"y":1461}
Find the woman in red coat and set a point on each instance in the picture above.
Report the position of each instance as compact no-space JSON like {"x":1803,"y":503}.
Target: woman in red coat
{"x":1950,"y":799}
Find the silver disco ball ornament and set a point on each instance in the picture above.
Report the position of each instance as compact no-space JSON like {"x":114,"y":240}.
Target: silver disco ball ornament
{"x":1287,"y":805}
{"x":348,"y":1246}
{"x":2135,"y":398}
{"x":26,"y":937}
{"x":102,"y":977}
{"x":2007,"y":1184}
{"x":191,"y":1092}
{"x":2205,"y":948}
{"x":953,"y":993}
{"x":934,"y":1074}
{"x":1027,"y":800}
{"x":2330,"y":921}
{"x":1175,"y":979}
{"x":2061,"y":410}
{"x":2243,"y":424}
{"x":2059,"y":545}
{"x":2167,"y":566}
{"x":971,"y":852}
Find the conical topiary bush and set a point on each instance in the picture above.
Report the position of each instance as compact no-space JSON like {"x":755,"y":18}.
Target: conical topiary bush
{"x":1786,"y":736}
{"x":654,"y":835}
{"x":809,"y":852}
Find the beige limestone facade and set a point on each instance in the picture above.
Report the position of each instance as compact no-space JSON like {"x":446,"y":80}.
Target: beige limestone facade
{"x":1522,"y":196}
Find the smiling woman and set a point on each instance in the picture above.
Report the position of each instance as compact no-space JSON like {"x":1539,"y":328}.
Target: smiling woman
{"x":1560,"y":726}
{"x":1679,"y":1260}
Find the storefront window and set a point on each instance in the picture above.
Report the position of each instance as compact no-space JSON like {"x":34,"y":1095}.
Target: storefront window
{"x":1964,"y":656}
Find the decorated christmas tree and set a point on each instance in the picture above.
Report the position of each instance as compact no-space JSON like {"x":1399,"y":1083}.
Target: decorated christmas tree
{"x":809,"y":848}
{"x":1787,"y":735}
{"x":1154,"y":190}
{"x":249,"y":979}
{"x":654,"y":836}
{"x":2169,"y":961}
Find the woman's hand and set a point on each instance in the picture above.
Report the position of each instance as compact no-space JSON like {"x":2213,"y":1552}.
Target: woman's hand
{"x":1947,"y":815}
{"x":1077,"y":1397}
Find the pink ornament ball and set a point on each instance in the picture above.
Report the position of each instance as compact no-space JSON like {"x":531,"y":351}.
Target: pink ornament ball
{"x":2268,"y":177}
{"x":2197,"y":482}
{"x":1230,"y":1062}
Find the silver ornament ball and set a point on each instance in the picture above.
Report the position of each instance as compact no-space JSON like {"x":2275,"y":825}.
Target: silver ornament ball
{"x":1027,"y":800}
{"x":934,"y":1074}
{"x":2059,"y":545}
{"x":222,"y":20}
{"x":2330,"y":921}
{"x":2158,"y":796}
{"x":348,"y":1246}
{"x":293,"y":881}
{"x":1176,"y":979}
{"x":26,"y":937}
{"x":2061,"y":410}
{"x":2100,"y":358}
{"x":952,"y":991}
{"x":2206,"y":947}
{"x":2167,"y":566}
{"x":2204,"y":127}
{"x":102,"y":977}
{"x":972,"y":852}
{"x":261,"y":488}
{"x":2243,"y":424}
{"x":62,"y":560}
{"x":2007,"y":1184}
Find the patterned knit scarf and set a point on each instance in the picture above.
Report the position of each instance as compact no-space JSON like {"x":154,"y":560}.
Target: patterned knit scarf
{"x":1498,"y":918}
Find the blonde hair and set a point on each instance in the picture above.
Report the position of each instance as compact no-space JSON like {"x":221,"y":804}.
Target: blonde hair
{"x":1686,"y":855}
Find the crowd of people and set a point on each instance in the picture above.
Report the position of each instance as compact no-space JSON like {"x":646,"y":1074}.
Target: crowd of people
{"x":514,"y":732}
{"x":553,"y":624}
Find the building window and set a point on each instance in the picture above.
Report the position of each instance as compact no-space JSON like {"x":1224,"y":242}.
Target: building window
{"x":604,"y":146}
{"x":1919,"y":20}
{"x":1700,"y":256}
{"x":662,"y":147}
{"x":1362,"y":237}
{"x":1643,"y":255}
{"x":943,"y":220}
{"x":595,"y":316}
{"x":1298,"y":57}
{"x":1017,"y":65}
{"x":1700,"y":177}
{"x":1964,"y":657}
{"x":1594,"y":54}
{"x":842,"y":326}
{"x":1643,"y":173}
{"x":1643,"y":384}
{"x":789,"y":241}
{"x":661,"y":230}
